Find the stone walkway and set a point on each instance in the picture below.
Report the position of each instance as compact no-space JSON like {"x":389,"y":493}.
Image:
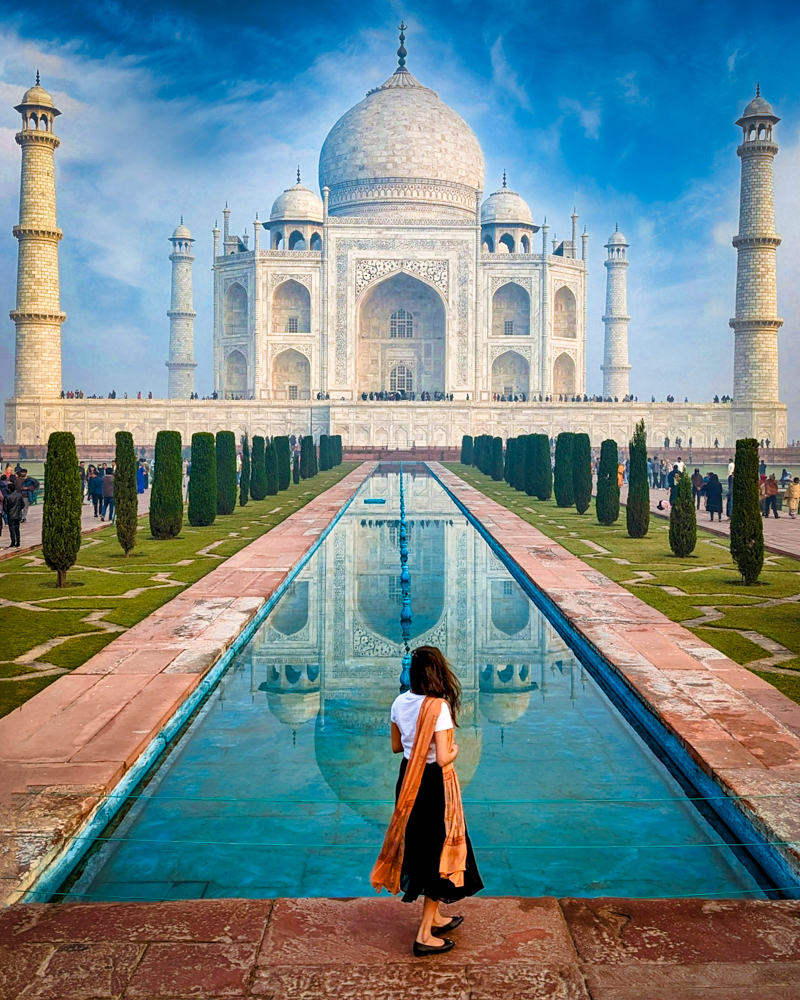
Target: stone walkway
{"x":31,"y":530}
{"x":68,"y":746}
{"x":360,"y":949}
{"x":781,"y":535}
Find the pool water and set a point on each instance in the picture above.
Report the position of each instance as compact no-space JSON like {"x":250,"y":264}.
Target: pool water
{"x":284,"y":782}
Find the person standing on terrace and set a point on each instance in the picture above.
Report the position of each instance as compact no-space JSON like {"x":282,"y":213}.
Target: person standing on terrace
{"x":427,"y":850}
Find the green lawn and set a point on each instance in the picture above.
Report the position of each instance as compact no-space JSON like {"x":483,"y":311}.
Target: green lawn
{"x":47,"y":631}
{"x":706,"y":584}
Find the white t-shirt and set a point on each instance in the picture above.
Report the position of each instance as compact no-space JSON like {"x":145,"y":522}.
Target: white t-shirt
{"x":405,"y":712}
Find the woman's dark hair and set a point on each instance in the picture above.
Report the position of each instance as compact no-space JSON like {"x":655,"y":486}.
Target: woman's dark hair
{"x":432,"y":675}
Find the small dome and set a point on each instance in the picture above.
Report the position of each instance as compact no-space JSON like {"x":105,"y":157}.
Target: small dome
{"x":506,"y":206}
{"x":39,"y":96}
{"x":181,"y":232}
{"x":617,"y":239}
{"x":297,"y":204}
{"x":758,"y":108}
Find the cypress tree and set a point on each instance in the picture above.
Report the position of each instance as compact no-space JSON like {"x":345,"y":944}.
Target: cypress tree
{"x":466,"y":450}
{"x":283,"y":453}
{"x":683,"y":520}
{"x":324,"y":463}
{"x":305,"y":467}
{"x":508,"y":467}
{"x":226,"y":472}
{"x":61,"y":518}
{"x":339,"y":451}
{"x":258,"y":473}
{"x":312,"y":456}
{"x":607,"y":505}
{"x":203,"y":481}
{"x":562,"y":480}
{"x":530,"y":464}
{"x":166,"y":498}
{"x":637,"y":510}
{"x":496,"y":468}
{"x":296,"y":469}
{"x":747,"y":527}
{"x":271,"y":466}
{"x":542,"y":471}
{"x":582,"y":472}
{"x":244,"y":475}
{"x":126,"y":501}
{"x":520,"y":460}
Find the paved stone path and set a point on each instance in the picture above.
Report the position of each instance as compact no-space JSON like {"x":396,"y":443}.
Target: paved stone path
{"x":31,"y":530}
{"x":781,"y":534}
{"x":68,"y":746}
{"x":360,"y":949}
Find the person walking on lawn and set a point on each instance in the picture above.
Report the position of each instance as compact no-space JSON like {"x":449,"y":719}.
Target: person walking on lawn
{"x":13,"y":508}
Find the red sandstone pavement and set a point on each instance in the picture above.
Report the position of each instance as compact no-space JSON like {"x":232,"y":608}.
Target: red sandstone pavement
{"x":67,"y":747}
{"x":738,"y":728}
{"x":360,"y":949}
{"x":781,"y":534}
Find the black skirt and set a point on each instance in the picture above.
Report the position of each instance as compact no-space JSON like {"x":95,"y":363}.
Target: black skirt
{"x":424,"y":840}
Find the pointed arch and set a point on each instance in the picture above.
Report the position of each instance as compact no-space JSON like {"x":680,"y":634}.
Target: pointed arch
{"x":488,"y":243}
{"x":235,"y":320}
{"x":235,"y":376}
{"x":291,"y":376}
{"x":511,"y":311}
{"x":297,"y":241}
{"x":291,"y":308}
{"x":506,"y":243}
{"x":565,"y":314}
{"x":316,"y":241}
{"x":564,"y":375}
{"x":510,"y":374}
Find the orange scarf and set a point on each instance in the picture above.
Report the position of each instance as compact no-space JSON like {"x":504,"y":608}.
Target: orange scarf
{"x":453,"y":859}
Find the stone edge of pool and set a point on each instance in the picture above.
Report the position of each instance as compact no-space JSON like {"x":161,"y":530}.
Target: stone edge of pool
{"x":66,"y":749}
{"x":740,"y":731}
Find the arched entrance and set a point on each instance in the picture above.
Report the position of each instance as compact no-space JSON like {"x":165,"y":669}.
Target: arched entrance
{"x":291,"y":308}
{"x":564,"y":375}
{"x":235,"y":376}
{"x":401,"y":323}
{"x":291,"y":376}
{"x":565,"y":322}
{"x":510,"y":375}
{"x":235,"y":311}
{"x":511,"y":311}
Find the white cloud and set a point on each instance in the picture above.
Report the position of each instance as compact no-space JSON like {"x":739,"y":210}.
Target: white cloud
{"x":588,"y":115}
{"x":505,"y":78}
{"x":631,"y":90}
{"x":732,"y":60}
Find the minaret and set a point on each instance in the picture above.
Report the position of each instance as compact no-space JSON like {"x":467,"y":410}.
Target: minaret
{"x":615,"y":365}
{"x":37,"y":315}
{"x":756,"y":324}
{"x":181,"y":314}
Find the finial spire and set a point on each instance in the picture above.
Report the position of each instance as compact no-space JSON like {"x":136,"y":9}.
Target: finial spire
{"x":616,"y":227}
{"x":504,"y":178}
{"x":401,"y":52}
{"x":37,"y":77}
{"x":298,"y":173}
{"x":181,"y":220}
{"x":758,"y":86}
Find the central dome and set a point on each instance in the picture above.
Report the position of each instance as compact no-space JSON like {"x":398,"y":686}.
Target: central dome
{"x":402,"y":149}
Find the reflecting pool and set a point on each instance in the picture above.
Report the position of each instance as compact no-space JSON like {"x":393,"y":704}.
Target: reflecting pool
{"x":283,"y":784}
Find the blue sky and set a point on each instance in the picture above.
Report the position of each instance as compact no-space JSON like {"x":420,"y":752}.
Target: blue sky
{"x":625,"y":110}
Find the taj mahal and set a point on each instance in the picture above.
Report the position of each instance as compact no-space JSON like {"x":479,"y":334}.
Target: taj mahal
{"x":401,"y":282}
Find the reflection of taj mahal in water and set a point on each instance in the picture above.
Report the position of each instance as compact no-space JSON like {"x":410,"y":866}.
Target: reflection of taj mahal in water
{"x":343,"y":676}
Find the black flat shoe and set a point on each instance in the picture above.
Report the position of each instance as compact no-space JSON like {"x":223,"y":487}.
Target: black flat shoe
{"x":422,"y":950}
{"x":441,"y":931}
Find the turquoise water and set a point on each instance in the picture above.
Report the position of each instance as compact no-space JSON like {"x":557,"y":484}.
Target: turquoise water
{"x":283,"y":784}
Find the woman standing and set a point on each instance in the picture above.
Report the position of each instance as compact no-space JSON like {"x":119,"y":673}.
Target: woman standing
{"x":427,"y":850}
{"x":713,"y":492}
{"x":94,"y":489}
{"x":792,"y":496}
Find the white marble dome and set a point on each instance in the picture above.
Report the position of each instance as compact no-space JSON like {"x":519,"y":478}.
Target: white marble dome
{"x":297,"y":204}
{"x":506,"y":207}
{"x":181,"y":232}
{"x":617,"y":239}
{"x":403,"y":149}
